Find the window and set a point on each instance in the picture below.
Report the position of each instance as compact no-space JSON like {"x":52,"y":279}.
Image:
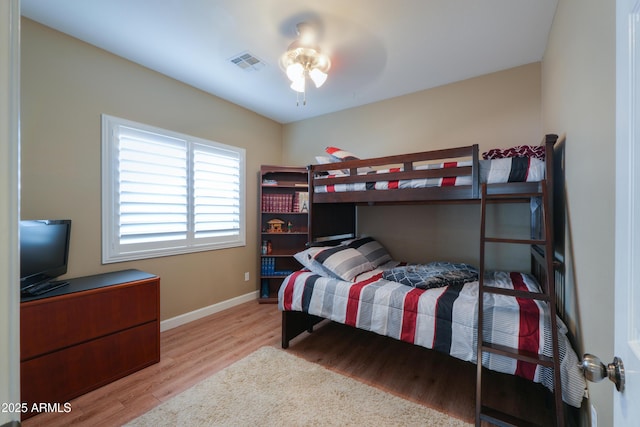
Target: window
{"x":164,"y":193}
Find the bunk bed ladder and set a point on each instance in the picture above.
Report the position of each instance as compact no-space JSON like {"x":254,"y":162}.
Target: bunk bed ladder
{"x":542,"y":250}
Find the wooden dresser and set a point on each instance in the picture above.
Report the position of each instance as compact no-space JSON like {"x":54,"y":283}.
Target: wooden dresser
{"x":87,"y":334}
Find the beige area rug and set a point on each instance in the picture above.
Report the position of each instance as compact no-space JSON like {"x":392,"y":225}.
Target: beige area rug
{"x":271,"y":387}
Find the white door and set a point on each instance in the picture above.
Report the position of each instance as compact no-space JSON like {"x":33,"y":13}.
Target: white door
{"x":626,"y":410}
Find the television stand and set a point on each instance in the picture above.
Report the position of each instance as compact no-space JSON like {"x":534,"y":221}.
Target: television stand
{"x":86,"y":334}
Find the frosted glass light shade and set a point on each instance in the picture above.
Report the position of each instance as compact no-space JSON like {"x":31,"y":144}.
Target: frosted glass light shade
{"x":295,"y":71}
{"x":299,"y":84}
{"x":318,"y":77}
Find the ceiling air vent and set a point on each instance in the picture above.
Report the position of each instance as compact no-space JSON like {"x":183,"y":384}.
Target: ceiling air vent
{"x":247,"y":62}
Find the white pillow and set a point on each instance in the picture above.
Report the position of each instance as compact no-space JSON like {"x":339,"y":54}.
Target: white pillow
{"x":340,"y":155}
{"x":306,"y":259}
{"x":324,"y":160}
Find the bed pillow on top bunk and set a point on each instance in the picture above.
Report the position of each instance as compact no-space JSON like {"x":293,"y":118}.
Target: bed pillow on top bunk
{"x":325,"y":160}
{"x":432,"y":275}
{"x":375,"y":253}
{"x":535,"y":151}
{"x":342,"y":261}
{"x":340,"y":155}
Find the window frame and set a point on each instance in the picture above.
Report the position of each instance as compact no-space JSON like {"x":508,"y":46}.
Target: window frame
{"x":112,"y":250}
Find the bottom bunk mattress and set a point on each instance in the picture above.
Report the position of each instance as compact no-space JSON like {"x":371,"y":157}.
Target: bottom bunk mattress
{"x":443,"y":319}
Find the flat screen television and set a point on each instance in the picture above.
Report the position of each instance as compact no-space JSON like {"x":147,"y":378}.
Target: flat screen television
{"x":44,"y":250}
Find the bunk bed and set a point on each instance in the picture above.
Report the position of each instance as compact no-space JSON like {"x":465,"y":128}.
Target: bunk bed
{"x":439,"y":308}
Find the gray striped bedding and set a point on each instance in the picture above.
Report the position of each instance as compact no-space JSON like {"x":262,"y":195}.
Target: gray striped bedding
{"x":443,"y":318}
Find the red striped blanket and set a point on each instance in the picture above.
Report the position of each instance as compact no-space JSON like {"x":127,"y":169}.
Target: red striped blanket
{"x":513,"y":169}
{"x":443,"y":319}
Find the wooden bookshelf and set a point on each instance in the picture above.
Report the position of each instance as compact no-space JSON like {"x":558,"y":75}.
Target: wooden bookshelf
{"x":283,"y":224}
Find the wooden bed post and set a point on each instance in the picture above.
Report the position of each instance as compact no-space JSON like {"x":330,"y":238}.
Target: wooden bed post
{"x":296,"y":322}
{"x":475,"y":176}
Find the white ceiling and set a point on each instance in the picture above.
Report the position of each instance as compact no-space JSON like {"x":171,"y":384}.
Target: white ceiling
{"x":379,"y":48}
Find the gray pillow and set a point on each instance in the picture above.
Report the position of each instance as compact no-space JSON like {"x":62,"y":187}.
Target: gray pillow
{"x":371,"y":249}
{"x":342,"y":262}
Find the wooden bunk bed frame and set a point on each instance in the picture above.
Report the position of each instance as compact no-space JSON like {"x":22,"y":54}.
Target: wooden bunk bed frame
{"x":332,"y":214}
{"x":317,"y":176}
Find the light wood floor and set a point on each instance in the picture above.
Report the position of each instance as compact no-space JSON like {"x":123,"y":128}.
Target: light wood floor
{"x":195,"y":351}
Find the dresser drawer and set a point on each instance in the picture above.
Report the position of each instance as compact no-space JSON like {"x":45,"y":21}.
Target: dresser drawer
{"x":64,"y":374}
{"x":50,"y":324}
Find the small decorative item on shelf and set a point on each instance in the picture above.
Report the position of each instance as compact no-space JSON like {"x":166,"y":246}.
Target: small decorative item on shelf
{"x":275,"y":225}
{"x":269,"y":247}
{"x":263,"y":249}
{"x":289,"y":227}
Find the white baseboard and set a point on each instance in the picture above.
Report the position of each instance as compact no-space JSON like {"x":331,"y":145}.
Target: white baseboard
{"x":206,"y":311}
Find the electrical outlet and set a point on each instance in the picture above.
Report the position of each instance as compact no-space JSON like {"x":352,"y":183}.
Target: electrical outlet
{"x":246,"y":276}
{"x":594,"y":417}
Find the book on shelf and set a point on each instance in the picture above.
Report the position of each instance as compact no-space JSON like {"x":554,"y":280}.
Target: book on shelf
{"x":268,"y":268}
{"x":301,"y":202}
{"x":277,"y":202}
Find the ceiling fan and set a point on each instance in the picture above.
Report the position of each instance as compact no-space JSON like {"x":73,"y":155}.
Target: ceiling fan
{"x":303,"y":60}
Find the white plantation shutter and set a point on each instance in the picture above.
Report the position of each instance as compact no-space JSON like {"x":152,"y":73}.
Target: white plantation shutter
{"x":153,"y":192}
{"x":165,"y":193}
{"x":216,"y":192}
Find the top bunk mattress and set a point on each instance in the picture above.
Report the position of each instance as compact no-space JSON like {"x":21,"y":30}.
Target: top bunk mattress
{"x":492,"y":171}
{"x":450,"y":174}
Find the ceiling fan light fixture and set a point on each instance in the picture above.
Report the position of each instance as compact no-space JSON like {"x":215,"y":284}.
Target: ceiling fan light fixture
{"x":303,"y":59}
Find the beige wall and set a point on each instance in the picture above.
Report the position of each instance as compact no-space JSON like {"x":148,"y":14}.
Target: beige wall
{"x":501,"y":109}
{"x":495,"y":110}
{"x":66,"y":86}
{"x":578,"y":78}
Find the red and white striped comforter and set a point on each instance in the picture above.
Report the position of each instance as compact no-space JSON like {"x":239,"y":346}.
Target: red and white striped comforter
{"x":442,"y":319}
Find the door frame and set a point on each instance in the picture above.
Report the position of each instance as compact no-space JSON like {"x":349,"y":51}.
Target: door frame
{"x":9,"y":202}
